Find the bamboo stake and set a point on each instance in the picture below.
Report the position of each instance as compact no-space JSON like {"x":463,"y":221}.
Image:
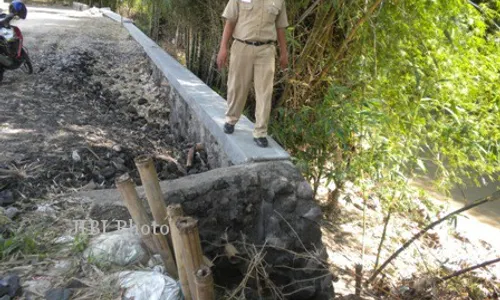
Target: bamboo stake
{"x":164,"y":251}
{"x":204,"y":284}
{"x":151,"y":185}
{"x":126,"y":187}
{"x":174,"y":212}
{"x":149,"y":179}
{"x":192,"y":254}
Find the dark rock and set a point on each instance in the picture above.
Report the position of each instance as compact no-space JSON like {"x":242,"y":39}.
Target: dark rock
{"x":108,"y":172}
{"x":140,"y":121}
{"x":131,"y":110}
{"x":76,"y":284}
{"x":269,"y":196}
{"x":282,"y":186}
{"x":172,"y":167}
{"x":120,"y":167}
{"x":309,"y":231}
{"x":6,"y":198}
{"x":11,"y":212}
{"x":142,"y":101}
{"x":58,"y":294}
{"x":102,"y":163}
{"x":314,"y":214}
{"x":273,"y":225}
{"x":224,"y":201}
{"x":118,"y":160}
{"x":10,"y":286}
{"x":287,"y":204}
{"x":221,"y":184}
{"x":305,"y":191}
{"x":107,"y":94}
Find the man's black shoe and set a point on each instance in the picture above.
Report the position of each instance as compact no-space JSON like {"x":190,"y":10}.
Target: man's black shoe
{"x":228,"y":128}
{"x":261,"y":142}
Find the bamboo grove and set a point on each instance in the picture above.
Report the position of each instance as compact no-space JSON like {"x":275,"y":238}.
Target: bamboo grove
{"x":376,"y":89}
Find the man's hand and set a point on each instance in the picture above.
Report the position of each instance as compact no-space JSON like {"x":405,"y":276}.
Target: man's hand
{"x":284,"y":61}
{"x":226,"y":35}
{"x":222,"y":58}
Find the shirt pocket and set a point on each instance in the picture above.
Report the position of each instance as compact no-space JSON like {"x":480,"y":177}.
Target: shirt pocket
{"x":245,"y":8}
{"x":272,"y":12}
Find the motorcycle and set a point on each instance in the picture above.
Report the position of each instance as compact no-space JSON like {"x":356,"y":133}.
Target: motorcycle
{"x":13,"y":55}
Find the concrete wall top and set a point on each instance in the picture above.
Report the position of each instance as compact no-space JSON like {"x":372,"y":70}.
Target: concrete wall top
{"x":209,"y":107}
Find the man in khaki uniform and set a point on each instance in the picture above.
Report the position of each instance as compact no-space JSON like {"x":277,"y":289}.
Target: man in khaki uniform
{"x":255,"y":26}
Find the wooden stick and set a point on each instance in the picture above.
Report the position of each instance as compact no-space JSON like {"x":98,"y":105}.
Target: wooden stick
{"x":458,"y":273}
{"x":151,"y":185}
{"x":192,"y":151}
{"x":126,"y":187}
{"x":359,"y":279}
{"x":192,"y":254}
{"x":382,"y":239}
{"x":174,"y":212}
{"x":171,"y":159}
{"x":204,"y":284}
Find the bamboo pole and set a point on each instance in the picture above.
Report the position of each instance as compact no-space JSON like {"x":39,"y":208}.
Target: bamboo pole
{"x":151,"y":185}
{"x":126,"y":187}
{"x":149,"y":179}
{"x":192,"y":254}
{"x":164,"y":251}
{"x":174,"y":212}
{"x":204,"y":284}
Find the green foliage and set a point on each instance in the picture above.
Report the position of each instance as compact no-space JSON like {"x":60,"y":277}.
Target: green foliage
{"x":436,"y":72}
{"x":380,"y":90}
{"x":22,"y":242}
{"x":416,"y":88}
{"x":80,"y":243}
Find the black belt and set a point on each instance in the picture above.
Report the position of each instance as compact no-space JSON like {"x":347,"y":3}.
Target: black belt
{"x":256,"y":43}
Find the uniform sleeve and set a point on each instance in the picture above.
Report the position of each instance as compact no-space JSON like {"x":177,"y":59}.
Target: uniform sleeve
{"x":282,"y":19}
{"x":231,"y":10}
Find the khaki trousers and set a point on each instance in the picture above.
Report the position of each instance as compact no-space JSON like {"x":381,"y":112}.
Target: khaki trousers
{"x":249,"y":62}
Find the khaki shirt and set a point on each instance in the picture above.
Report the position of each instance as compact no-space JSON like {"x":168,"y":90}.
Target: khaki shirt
{"x":256,"y":20}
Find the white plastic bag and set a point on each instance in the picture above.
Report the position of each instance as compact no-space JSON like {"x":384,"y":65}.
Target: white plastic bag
{"x":122,"y":247}
{"x":148,"y":285}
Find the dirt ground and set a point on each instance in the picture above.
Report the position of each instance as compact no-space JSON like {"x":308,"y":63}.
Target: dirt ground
{"x":85,"y":113}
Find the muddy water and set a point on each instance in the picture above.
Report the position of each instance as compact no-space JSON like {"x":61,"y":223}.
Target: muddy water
{"x":482,"y":222}
{"x":488,"y":213}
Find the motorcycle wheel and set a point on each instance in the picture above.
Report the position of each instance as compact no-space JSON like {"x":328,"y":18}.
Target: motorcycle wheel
{"x":26,"y":66}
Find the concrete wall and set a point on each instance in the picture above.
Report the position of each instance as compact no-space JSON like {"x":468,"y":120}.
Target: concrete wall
{"x":198,"y":112}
